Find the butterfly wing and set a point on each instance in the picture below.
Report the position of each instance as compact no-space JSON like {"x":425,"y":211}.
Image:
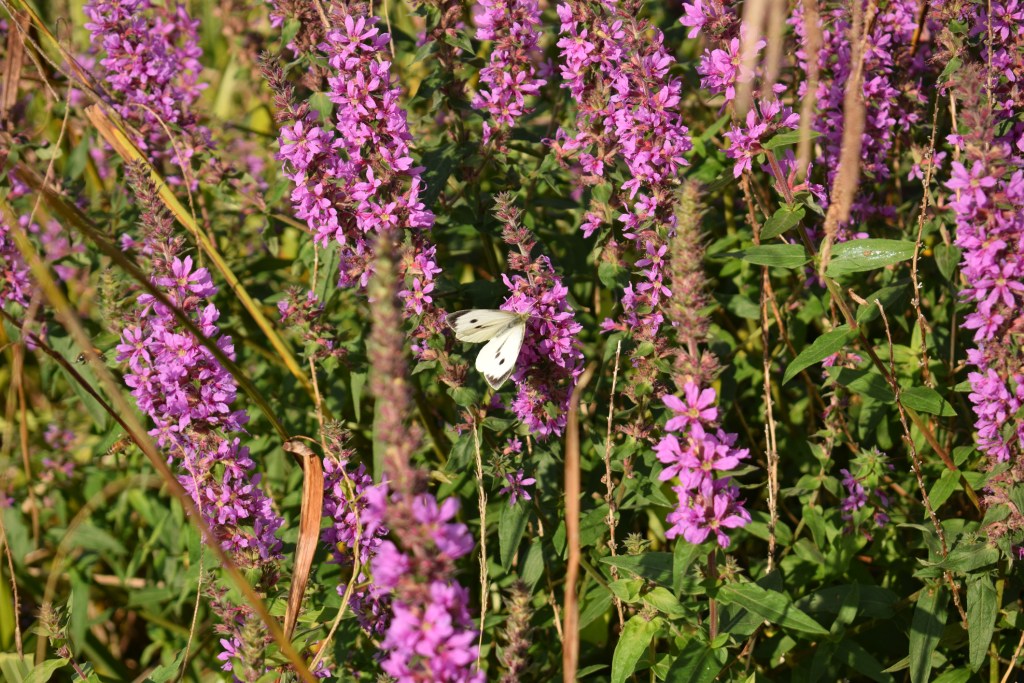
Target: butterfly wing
{"x":497,"y":359}
{"x":479,"y":324}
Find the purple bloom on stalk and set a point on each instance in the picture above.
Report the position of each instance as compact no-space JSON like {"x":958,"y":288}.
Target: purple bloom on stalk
{"x":430,"y":635}
{"x":550,"y":361}
{"x":618,"y":72}
{"x":972,"y":185}
{"x":892,"y":89}
{"x":702,"y":459}
{"x":510,"y":74}
{"x":188,"y":394}
{"x":763,"y":121}
{"x":722,"y":69}
{"x":354,"y":175}
{"x":151,"y":67}
{"x":15,"y":286}
{"x":516,"y":488}
{"x":699,"y":407}
{"x":713,"y":506}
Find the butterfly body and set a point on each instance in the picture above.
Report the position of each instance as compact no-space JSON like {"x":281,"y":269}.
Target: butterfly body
{"x":503,"y":331}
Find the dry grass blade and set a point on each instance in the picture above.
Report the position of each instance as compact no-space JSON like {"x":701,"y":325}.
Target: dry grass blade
{"x":12,"y":64}
{"x":755,"y":13}
{"x":812,"y":48}
{"x":571,"y":614}
{"x":844,"y":189}
{"x":309,"y":527}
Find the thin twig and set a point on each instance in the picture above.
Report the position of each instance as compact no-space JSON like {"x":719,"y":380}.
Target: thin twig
{"x":1013,"y":661}
{"x":481,"y":501}
{"x":609,"y":497}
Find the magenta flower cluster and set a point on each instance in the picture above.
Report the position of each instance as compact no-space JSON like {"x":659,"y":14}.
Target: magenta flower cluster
{"x":893,"y":96}
{"x":15,"y":285}
{"x":550,"y":361}
{"x":701,"y":457}
{"x":617,"y":69}
{"x":151,"y":67}
{"x":430,"y":636}
{"x":510,"y":74}
{"x":356,"y":178}
{"x":188,"y":394}
{"x":988,"y":203}
{"x":345,"y":502}
{"x":859,"y":498}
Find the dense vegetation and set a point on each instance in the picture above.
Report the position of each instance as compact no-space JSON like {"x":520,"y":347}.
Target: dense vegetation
{"x":765,"y":262}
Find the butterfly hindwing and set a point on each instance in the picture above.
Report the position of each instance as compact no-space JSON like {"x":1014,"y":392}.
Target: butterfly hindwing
{"x":497,"y":359}
{"x":479,"y":324}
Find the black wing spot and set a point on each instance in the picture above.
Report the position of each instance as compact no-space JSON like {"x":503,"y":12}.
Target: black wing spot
{"x":472,"y":321}
{"x":501,"y":362}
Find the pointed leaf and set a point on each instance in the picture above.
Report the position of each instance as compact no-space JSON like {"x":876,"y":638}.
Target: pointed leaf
{"x":636,"y":636}
{"x":782,"y":220}
{"x":771,"y":606}
{"x":510,"y":531}
{"x":822,"y":347}
{"x":982,"y":610}
{"x":925,"y":629}
{"x":780,"y":255}
{"x":857,"y":256}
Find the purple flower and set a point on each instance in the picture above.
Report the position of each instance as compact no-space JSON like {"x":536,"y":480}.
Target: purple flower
{"x":712,"y":507}
{"x":550,"y":360}
{"x":516,"y":488}
{"x":430,"y":635}
{"x":699,"y":407}
{"x":703,"y":461}
{"x":618,"y":72}
{"x":510,"y":74}
{"x":151,"y":67}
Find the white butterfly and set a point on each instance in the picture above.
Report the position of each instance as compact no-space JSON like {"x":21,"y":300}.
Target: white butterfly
{"x":504,"y":329}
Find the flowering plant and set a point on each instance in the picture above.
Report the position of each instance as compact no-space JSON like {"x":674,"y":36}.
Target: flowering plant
{"x":762,"y":267}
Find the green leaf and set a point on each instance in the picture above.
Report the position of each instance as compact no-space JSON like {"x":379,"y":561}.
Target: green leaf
{"x":857,"y":256}
{"x":779,"y":255}
{"x":784,"y":219}
{"x":696,"y":663}
{"x":955,"y":676}
{"x":858,"y":659}
{"x":656,"y":567}
{"x":947,"y":258}
{"x":822,"y":347}
{"x":14,"y":668}
{"x":925,"y":629}
{"x":947,"y":484}
{"x":982,"y":610}
{"x":772,"y":606}
{"x":867,"y":382}
{"x":790,"y":137}
{"x":510,"y":531}
{"x":967,"y":557}
{"x":888,"y":296}
{"x":636,"y":636}
{"x":663,"y":600}
{"x":873,"y":602}
{"x":533,"y":566}
{"x":438,"y":163}
{"x":41,"y":673}
{"x":611,"y":275}
{"x":683,"y":556}
{"x":926,"y":400}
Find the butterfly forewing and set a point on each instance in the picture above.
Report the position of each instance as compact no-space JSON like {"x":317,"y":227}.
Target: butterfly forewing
{"x":478,"y":325}
{"x":497,"y":359}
